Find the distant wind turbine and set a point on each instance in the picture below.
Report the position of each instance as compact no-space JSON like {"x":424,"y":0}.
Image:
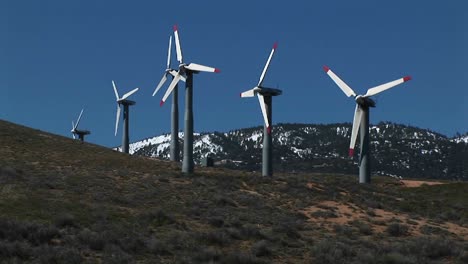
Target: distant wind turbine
{"x":76,"y":132}
{"x":126,"y":103}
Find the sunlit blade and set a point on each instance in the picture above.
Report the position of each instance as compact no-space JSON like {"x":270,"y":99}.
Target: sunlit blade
{"x":73,"y":126}
{"x":170,"y":88}
{"x":115,"y":91}
{"x":386,"y":86}
{"x":250,"y":93}
{"x":198,"y":67}
{"x":163,"y":80}
{"x":177,"y":43}
{"x":354,"y":132}
{"x":169,"y":53}
{"x":267,"y":64}
{"x":125,"y":96}
{"x":117,"y":118}
{"x":78,"y":120}
{"x":174,"y":73}
{"x":264,"y":112}
{"x":343,"y":86}
{"x":73,"y":134}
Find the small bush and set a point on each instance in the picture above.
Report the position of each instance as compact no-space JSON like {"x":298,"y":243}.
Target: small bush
{"x":156,"y":246}
{"x":324,"y":214}
{"x":93,"y":240}
{"x":215,"y":238}
{"x":261,"y":248}
{"x":397,"y":229}
{"x":332,"y":251}
{"x":113,"y":254}
{"x":207,"y":255}
{"x":241,"y":258}
{"x":65,"y":220}
{"x":216,"y":221}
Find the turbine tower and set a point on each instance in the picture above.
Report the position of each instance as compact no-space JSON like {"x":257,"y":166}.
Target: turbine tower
{"x":186,"y":70}
{"x":361,"y":119}
{"x":174,"y":148}
{"x":80,"y":133}
{"x":264,"y":96}
{"x":126,"y":103}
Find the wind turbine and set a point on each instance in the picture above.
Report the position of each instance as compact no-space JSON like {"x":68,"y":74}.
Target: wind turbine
{"x":186,"y":70}
{"x":76,"y":132}
{"x":174,"y":149}
{"x":264,"y":96}
{"x":361,"y":119}
{"x":126,"y":103}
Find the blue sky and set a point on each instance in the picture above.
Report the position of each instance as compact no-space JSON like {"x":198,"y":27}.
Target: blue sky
{"x":59,"y":56}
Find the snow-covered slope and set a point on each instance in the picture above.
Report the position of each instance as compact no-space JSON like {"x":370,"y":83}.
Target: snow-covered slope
{"x":396,"y":149}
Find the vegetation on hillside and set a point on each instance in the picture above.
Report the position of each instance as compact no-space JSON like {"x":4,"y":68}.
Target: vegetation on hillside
{"x":62,"y":201}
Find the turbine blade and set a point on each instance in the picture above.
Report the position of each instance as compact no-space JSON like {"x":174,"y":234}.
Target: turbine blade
{"x":163,"y":80}
{"x":170,"y":88}
{"x":169,"y":53}
{"x":177,"y":43}
{"x":73,"y":126}
{"x":354,"y":132}
{"x":264,"y":112}
{"x":78,"y":120}
{"x":174,"y":73}
{"x":73,"y":134}
{"x":125,"y":96}
{"x":115,"y":90}
{"x":249,"y":93}
{"x":117,"y":118}
{"x":343,"y":86}
{"x":386,"y":86}
{"x":198,"y":67}
{"x":267,"y":64}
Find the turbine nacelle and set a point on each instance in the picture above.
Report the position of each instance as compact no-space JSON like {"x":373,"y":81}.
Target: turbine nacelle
{"x":364,"y":101}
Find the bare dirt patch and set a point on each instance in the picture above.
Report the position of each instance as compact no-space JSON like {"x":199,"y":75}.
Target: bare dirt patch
{"x":415,"y":184}
{"x":343,"y":214}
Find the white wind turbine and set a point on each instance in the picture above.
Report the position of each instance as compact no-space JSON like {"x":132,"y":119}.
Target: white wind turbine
{"x":264,"y":96}
{"x":76,"y":131}
{"x":186,"y":70}
{"x":174,"y":147}
{"x":126,"y":103}
{"x":361,"y":119}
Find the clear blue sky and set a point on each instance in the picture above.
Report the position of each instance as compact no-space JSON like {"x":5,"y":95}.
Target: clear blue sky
{"x":59,"y":56}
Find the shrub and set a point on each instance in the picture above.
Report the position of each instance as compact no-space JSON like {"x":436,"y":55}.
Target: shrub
{"x":241,"y":258}
{"x":64,"y":220}
{"x":261,"y":248}
{"x":215,"y":238}
{"x":332,"y":251}
{"x":207,"y":255}
{"x":93,"y":240}
{"x":156,"y":246}
{"x":397,"y":229}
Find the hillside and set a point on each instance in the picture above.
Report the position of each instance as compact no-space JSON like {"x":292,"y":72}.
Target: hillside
{"x":397,"y":150}
{"x":62,"y":201}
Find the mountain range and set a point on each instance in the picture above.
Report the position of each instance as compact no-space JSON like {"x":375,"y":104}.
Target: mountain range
{"x":397,"y":150}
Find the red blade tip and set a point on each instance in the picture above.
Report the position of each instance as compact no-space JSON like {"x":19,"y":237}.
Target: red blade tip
{"x":217,"y":70}
{"x":175,"y":27}
{"x":351,"y":152}
{"x":161,"y":103}
{"x":240,"y":94}
{"x":269,"y":130}
{"x":325,"y":68}
{"x":406,"y":78}
{"x":275,"y":45}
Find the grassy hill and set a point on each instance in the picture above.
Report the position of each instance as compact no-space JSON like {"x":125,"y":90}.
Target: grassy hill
{"x":62,"y":201}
